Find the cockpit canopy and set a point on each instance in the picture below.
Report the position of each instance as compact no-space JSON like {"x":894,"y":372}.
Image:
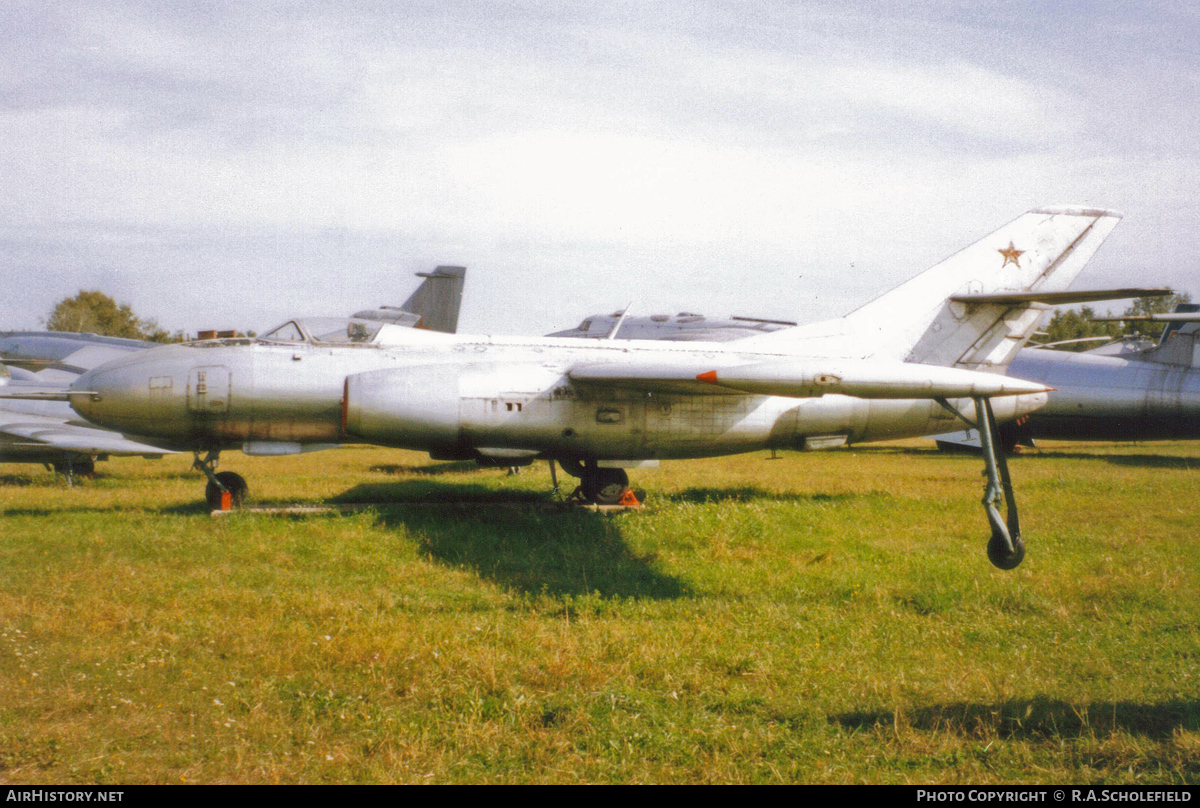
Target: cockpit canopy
{"x":325,"y":331}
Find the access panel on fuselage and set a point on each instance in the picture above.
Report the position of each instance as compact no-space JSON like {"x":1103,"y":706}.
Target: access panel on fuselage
{"x":209,"y":390}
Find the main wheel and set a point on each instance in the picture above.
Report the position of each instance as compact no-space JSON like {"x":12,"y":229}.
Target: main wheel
{"x":234,"y":484}
{"x":605,"y":486}
{"x":998,"y":554}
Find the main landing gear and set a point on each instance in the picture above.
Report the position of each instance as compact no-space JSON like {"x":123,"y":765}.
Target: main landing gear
{"x":72,"y":466}
{"x":602,"y":486}
{"x":225,"y":490}
{"x":1005,"y":548}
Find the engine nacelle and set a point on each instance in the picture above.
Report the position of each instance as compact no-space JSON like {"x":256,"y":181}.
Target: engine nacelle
{"x":411,"y":407}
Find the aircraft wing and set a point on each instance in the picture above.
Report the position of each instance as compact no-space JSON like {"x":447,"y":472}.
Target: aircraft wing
{"x":27,"y":431}
{"x":809,"y":378}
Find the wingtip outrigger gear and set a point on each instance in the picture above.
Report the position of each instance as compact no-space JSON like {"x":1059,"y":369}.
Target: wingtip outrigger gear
{"x":1006,"y":548}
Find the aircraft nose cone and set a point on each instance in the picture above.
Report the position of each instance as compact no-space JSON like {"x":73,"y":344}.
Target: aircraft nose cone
{"x":112,"y":397}
{"x":88,"y":395}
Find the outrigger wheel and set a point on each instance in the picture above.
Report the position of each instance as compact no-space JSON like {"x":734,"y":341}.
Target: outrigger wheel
{"x":1006,"y":548}
{"x":1004,"y":558}
{"x":235,"y":484}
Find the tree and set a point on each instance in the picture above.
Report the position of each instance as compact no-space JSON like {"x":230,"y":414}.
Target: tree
{"x":1153,"y":305}
{"x":1068,"y":324}
{"x":97,"y":313}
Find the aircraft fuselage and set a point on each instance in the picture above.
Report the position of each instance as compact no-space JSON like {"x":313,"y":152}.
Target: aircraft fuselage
{"x":1121,"y":397}
{"x":456,"y":395}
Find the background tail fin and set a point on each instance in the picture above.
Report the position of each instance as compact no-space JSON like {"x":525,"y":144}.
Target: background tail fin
{"x":1042,"y":251}
{"x":438,"y":299}
{"x":434,"y":306}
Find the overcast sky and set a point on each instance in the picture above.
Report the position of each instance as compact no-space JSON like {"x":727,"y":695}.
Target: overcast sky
{"x":233,"y":164}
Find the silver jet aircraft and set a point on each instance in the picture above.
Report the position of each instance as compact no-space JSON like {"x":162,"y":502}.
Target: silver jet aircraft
{"x":1126,"y":391}
{"x":909,"y":363}
{"x":37,"y":366}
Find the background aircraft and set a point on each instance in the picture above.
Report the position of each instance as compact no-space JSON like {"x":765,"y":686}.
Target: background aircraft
{"x":48,"y":431}
{"x":683,"y":327}
{"x":41,"y":365}
{"x":928,"y":353}
{"x":1130,"y":390}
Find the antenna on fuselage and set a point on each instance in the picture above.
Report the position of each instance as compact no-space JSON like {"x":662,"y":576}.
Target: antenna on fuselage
{"x":613,"y":334}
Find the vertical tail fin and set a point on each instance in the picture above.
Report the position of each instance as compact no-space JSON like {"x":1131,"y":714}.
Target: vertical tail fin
{"x":433,"y":306}
{"x":1042,"y":251}
{"x":438,"y":299}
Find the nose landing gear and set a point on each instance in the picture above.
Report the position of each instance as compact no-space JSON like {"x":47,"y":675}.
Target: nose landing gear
{"x":225,"y":490}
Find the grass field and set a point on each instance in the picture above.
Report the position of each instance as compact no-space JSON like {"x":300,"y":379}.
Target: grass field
{"x":826,"y":617}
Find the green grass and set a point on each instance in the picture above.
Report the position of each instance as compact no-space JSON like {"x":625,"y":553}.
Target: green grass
{"x":827,"y":617}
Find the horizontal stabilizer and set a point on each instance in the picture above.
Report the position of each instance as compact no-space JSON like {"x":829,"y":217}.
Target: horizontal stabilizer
{"x":1173,"y":317}
{"x":809,"y":379}
{"x":1059,"y":298}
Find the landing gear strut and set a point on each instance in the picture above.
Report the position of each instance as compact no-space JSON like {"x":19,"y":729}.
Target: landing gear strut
{"x":1005,"y":548}
{"x":72,"y":467}
{"x":603,"y":486}
{"x":225,"y":490}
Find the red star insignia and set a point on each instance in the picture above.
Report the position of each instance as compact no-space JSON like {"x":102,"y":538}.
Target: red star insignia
{"x":1011,"y":255}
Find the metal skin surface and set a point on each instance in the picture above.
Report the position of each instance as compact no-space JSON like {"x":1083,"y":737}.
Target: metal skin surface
{"x":1123,"y":397}
{"x":683,"y":327}
{"x":449,"y":395}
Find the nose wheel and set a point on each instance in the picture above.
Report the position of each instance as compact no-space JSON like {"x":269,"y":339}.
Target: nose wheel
{"x":225,"y":490}
{"x":226,"y":482}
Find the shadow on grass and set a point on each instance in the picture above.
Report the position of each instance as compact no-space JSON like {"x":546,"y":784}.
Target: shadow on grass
{"x":431,"y":469}
{"x":423,"y":491}
{"x":191,"y":508}
{"x":24,"y":480}
{"x":1040,"y":717}
{"x":1132,"y":460}
{"x":521,"y":540}
{"x":747,"y":493}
